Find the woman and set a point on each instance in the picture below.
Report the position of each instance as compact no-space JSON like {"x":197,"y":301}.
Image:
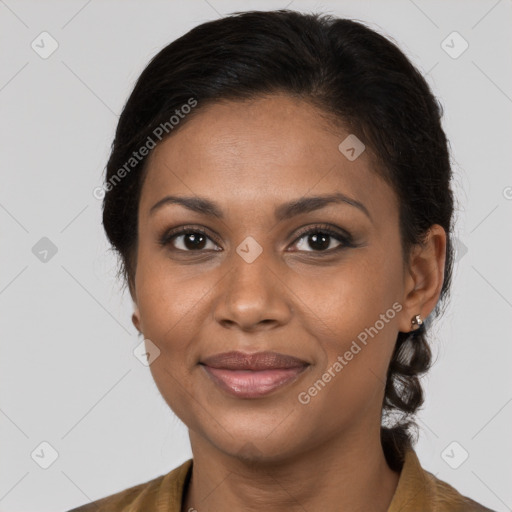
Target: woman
{"x":279,"y":195}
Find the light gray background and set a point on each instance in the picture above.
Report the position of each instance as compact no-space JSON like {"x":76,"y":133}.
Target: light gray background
{"x":68,"y":374}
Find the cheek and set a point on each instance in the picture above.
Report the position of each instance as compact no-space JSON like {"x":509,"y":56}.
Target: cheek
{"x":170,"y":310}
{"x":358,"y":343}
{"x":166,"y":297}
{"x":353,"y":297}
{"x":171,"y":314}
{"x":359,"y":309}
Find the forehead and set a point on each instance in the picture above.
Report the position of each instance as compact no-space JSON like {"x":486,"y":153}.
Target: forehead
{"x":263,"y":149}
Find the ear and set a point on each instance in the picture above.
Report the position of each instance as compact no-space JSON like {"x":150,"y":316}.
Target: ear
{"x":136,"y":319}
{"x":136,"y":314}
{"x":424,"y":277}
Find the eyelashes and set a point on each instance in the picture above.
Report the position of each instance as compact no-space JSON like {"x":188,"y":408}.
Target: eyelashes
{"x":170,"y":236}
{"x":344,"y":239}
{"x":198,"y":239}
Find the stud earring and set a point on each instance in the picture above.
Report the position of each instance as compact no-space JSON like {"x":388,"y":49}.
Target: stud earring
{"x":417,"y":321}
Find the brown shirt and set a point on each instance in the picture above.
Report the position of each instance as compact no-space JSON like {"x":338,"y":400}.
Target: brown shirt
{"x":417,"y":491}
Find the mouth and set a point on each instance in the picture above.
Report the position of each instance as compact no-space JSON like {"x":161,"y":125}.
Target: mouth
{"x":252,"y":375}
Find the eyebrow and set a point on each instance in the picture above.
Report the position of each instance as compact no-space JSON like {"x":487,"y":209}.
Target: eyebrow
{"x":284,"y":211}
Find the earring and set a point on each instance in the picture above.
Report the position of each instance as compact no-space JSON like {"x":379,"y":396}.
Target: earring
{"x":417,"y":321}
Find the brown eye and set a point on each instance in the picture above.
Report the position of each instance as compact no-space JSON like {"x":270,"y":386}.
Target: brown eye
{"x":318,"y":241}
{"x":188,"y":240}
{"x":322,"y":239}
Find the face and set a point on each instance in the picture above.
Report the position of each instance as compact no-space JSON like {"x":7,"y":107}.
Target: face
{"x":321,"y":281}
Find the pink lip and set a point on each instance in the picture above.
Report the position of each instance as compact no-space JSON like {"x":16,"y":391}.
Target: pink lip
{"x":252,"y":375}
{"x":252,"y":383}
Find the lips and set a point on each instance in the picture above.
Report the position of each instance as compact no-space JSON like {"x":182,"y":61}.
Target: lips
{"x":257,"y":361}
{"x":252,"y":375}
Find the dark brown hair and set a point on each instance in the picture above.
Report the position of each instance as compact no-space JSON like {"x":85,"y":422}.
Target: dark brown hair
{"x":354,"y":76}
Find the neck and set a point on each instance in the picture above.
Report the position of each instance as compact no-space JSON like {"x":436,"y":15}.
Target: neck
{"x":346,"y":473}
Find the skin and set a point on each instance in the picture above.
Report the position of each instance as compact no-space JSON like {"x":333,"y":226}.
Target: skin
{"x":274,"y":453}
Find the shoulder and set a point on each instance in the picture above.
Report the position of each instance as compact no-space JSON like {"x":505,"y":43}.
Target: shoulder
{"x":449,"y":499}
{"x":419,"y":489}
{"x":162,"y":491}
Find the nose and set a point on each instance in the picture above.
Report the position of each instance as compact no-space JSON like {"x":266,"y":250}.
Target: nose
{"x":253,"y":296}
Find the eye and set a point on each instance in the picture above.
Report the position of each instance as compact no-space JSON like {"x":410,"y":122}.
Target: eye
{"x":320,"y":239}
{"x":187,"y":240}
